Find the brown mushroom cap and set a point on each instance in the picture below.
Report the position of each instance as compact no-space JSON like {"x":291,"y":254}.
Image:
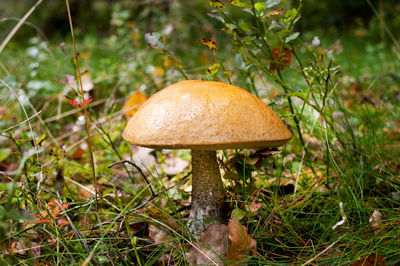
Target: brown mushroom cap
{"x":205,"y":115}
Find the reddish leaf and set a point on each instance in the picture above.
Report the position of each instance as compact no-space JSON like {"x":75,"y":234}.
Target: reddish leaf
{"x":62,"y":222}
{"x":277,"y":12}
{"x":212,"y":45}
{"x":46,"y":220}
{"x":86,"y":102}
{"x":74,"y":103}
{"x":281,"y":58}
{"x":77,"y":154}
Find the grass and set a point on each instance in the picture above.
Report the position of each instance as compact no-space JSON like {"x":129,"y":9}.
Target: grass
{"x":342,"y":164}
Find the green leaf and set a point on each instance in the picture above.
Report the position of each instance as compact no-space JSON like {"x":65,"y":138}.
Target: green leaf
{"x":4,"y":153}
{"x":291,"y":13}
{"x":259,"y":6}
{"x":272,"y":3}
{"x":212,"y":70}
{"x":239,"y":3}
{"x":292,"y":37}
{"x":217,"y":4}
{"x":240,"y":214}
{"x":244,"y":26}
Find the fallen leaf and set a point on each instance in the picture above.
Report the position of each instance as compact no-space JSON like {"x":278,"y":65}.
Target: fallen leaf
{"x":133,"y":103}
{"x":88,"y":191}
{"x":211,"y":247}
{"x":375,"y":221}
{"x":143,"y":158}
{"x":164,"y":217}
{"x":157,"y":235}
{"x":175,"y":165}
{"x":375,"y":218}
{"x":370,"y":260}
{"x":281,"y":58}
{"x":241,"y":242}
{"x":157,"y":74}
{"x":54,"y":209}
{"x":313,"y":142}
{"x":254,"y":206}
{"x":35,"y":249}
{"x":78,"y":153}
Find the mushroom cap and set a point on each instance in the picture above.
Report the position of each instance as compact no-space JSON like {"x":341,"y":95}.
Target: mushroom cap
{"x":205,"y":115}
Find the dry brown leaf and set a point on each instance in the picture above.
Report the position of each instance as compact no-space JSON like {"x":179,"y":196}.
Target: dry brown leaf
{"x":254,"y":206}
{"x":157,"y":235}
{"x":174,"y":165}
{"x":370,"y":260}
{"x":87,"y":191}
{"x":281,"y":58}
{"x":277,"y":12}
{"x":313,"y":142}
{"x":241,"y":242}
{"x":87,"y":83}
{"x":79,"y":152}
{"x":375,"y":218}
{"x":159,"y":215}
{"x":212,"y":247}
{"x":133,"y":103}
{"x":143,"y":158}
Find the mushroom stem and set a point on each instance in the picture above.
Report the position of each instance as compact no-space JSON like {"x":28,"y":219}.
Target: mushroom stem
{"x":207,"y":190}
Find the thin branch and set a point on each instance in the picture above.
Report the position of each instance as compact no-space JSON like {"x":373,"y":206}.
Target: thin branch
{"x":84,"y":105}
{"x":19,"y":24}
{"x":382,"y":21}
{"x":23,"y":122}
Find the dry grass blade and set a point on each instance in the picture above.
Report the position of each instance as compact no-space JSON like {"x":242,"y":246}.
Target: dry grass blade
{"x":19,"y":24}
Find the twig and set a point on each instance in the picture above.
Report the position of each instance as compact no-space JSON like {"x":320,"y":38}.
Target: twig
{"x":19,"y":24}
{"x":322,"y":252}
{"x":71,"y":112}
{"x":138,"y":207}
{"x":382,"y":21}
{"x":23,"y":122}
{"x":140,"y":172}
{"x":84,"y":105}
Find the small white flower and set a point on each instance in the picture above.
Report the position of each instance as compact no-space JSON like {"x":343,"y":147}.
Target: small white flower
{"x":316,"y":41}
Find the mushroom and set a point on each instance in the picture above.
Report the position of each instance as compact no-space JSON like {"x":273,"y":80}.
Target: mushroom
{"x":205,"y":116}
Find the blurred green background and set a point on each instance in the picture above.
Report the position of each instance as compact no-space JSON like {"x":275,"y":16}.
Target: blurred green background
{"x":328,"y":16}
